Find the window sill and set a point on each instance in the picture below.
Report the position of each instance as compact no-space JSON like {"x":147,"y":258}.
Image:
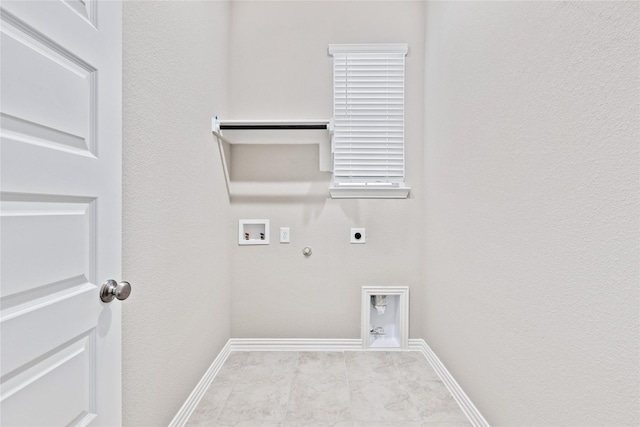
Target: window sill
{"x":369,"y":192}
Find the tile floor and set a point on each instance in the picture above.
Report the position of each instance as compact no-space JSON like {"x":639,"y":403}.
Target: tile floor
{"x":353,"y":388}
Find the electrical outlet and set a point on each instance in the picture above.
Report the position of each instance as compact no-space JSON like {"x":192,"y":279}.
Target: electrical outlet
{"x":284,"y":235}
{"x":358,"y":235}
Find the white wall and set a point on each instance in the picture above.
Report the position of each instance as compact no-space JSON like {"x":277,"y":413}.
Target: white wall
{"x":531,"y":173}
{"x":525,"y":192}
{"x":280,"y":68}
{"x":176,"y":209}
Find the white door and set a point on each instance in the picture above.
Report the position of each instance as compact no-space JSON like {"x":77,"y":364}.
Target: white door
{"x":60,"y":159}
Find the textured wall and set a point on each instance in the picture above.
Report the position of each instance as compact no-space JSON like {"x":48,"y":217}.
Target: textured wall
{"x":531,"y":172}
{"x":280,"y":68}
{"x":176,"y":209}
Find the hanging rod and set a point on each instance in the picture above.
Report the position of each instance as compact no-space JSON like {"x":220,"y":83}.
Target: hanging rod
{"x":305,"y":124}
{"x":272,"y":126}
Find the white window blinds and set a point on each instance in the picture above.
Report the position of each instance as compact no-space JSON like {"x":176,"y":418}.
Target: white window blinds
{"x":368,"y":108}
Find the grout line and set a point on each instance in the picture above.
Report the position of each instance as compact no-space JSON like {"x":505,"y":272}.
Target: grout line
{"x":224,"y":405}
{"x":404,"y":381}
{"x":346,"y":374}
{"x":286,"y":410}
{"x":233,"y":381}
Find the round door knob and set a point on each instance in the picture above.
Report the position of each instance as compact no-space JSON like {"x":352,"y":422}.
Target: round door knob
{"x":112,"y":289}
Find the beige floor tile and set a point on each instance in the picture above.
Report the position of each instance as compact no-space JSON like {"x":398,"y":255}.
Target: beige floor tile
{"x":434,"y":403}
{"x":318,"y":424}
{"x":371,"y":365}
{"x":388,"y":424}
{"x":329,"y":389}
{"x":381,"y":401}
{"x":258,"y":402}
{"x":268,"y":366}
{"x":251,"y":423}
{"x":321,"y":365}
{"x":233,"y":366}
{"x":413,"y":365}
{"x":211,"y":403}
{"x":446,"y":420}
{"x":320,"y":402}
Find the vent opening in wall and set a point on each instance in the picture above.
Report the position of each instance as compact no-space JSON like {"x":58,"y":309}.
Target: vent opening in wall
{"x":253,"y":232}
{"x":385,"y":317}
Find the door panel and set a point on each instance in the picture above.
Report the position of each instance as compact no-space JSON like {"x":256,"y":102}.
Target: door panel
{"x":48,"y":226}
{"x":36,"y":68}
{"x":60,"y":178}
{"x":69,"y":364}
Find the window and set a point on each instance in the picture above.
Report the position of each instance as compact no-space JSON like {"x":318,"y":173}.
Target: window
{"x":368,"y":128}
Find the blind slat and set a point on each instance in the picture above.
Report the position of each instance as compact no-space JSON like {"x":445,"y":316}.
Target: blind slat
{"x":368,"y":93}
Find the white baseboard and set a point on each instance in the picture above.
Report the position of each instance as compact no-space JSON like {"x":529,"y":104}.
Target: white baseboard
{"x":469,"y":409}
{"x":198,"y":392}
{"x":294,"y":344}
